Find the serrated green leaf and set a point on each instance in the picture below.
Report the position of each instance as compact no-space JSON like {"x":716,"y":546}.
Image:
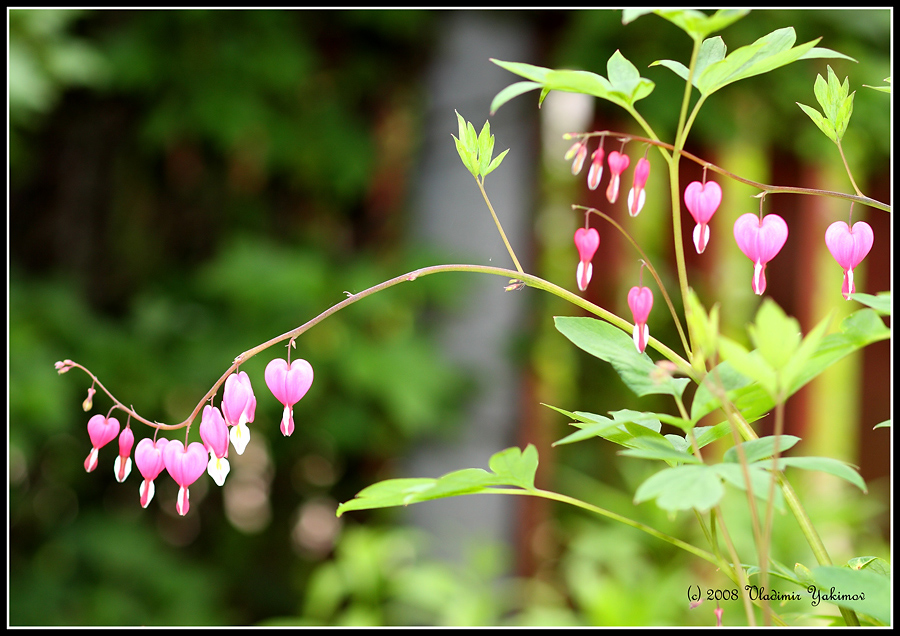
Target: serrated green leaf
{"x":758,"y":449}
{"x":749,"y":364}
{"x":823,"y":124}
{"x":760,"y":481}
{"x":775,"y":334}
{"x":495,"y":163}
{"x":682,"y":488}
{"x":516,"y":467}
{"x":698,"y":25}
{"x":768,"y":53}
{"x":881,"y":302}
{"x":843,"y":116}
{"x":466,"y":156}
{"x":512,"y":468}
{"x":826,"y":465}
{"x":862,"y":591}
{"x":610,"y":343}
{"x":511,"y":91}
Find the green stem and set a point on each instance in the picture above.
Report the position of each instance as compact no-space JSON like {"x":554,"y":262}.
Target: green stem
{"x":847,"y":167}
{"x":497,"y":221}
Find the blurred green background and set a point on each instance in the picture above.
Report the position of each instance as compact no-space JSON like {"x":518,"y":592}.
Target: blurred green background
{"x":187,"y":184}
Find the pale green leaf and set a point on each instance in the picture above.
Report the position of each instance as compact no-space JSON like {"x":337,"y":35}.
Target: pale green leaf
{"x":862,"y":591}
{"x":823,"y":124}
{"x":760,"y":481}
{"x":495,"y":163}
{"x":880,"y":302}
{"x":826,"y":465}
{"x":516,"y":467}
{"x":613,"y":345}
{"x":511,"y":91}
{"x":762,"y":448}
{"x":682,"y":488}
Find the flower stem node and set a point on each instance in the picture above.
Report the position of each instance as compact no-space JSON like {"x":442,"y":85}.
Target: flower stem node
{"x":702,"y":200}
{"x":760,"y":240}
{"x":101,"y":430}
{"x":849,"y":246}
{"x":288,"y":384}
{"x":587,"y":240}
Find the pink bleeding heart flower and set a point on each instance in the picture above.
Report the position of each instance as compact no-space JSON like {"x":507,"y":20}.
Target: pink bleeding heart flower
{"x":702,"y":200}
{"x":760,"y":240}
{"x":849,"y":246}
{"x":102,"y":430}
{"x":185,"y":465}
{"x":149,"y":459}
{"x":239,"y":407}
{"x":640,"y":301}
{"x":596,"y":171}
{"x":214,"y":433}
{"x":618,"y":163}
{"x":587,"y":240}
{"x":122,"y":467}
{"x":637,"y":194}
{"x":288,"y":385}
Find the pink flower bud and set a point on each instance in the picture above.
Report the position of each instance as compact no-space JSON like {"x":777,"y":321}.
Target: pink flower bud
{"x":618,"y":163}
{"x":122,"y":467}
{"x":760,"y":240}
{"x":637,"y":194}
{"x":640,"y":301}
{"x":89,"y":400}
{"x":596,"y":171}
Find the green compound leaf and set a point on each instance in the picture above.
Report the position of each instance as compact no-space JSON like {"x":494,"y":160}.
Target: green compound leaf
{"x":872,"y":563}
{"x":695,"y":23}
{"x":859,"y":329}
{"x":476,"y":150}
{"x":823,"y":464}
{"x":624,"y":87}
{"x":837,"y":105}
{"x":862,"y":591}
{"x":682,"y":488}
{"x":512,"y":467}
{"x":613,"y":345}
{"x":768,"y":53}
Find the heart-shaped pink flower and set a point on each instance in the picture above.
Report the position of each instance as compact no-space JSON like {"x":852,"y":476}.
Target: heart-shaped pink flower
{"x":760,"y":240}
{"x":238,"y":401}
{"x":185,"y":466}
{"x":149,"y":459}
{"x":702,"y":201}
{"x":849,"y":246}
{"x":101,"y":430}
{"x":587,"y":240}
{"x":288,"y":385}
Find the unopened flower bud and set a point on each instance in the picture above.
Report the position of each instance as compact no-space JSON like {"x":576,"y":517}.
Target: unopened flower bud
{"x":89,"y":400}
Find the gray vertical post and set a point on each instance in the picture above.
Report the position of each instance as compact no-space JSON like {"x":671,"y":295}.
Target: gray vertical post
{"x":450,"y":214}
